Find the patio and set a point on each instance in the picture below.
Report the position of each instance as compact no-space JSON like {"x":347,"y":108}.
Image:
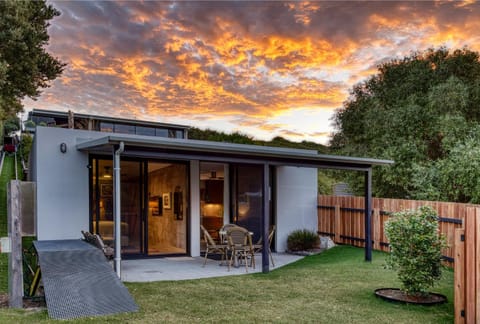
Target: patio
{"x":185,"y":268}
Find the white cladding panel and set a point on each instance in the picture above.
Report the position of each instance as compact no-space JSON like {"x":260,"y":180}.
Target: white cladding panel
{"x":296,"y":202}
{"x":62,"y":183}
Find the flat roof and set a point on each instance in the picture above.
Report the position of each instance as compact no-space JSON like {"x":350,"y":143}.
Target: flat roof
{"x":63,"y":114}
{"x":221,"y":151}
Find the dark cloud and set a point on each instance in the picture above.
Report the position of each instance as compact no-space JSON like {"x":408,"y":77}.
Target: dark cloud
{"x":245,"y":62}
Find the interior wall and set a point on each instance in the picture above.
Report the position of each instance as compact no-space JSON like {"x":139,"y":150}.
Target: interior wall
{"x":168,"y":230}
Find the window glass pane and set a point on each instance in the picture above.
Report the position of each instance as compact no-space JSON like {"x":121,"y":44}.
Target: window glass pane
{"x":148,"y":131}
{"x":162,"y":132}
{"x":124,"y":129}
{"x":106,"y":127}
{"x":179,"y":134}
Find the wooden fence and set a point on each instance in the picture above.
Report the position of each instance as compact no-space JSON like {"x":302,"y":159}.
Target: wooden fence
{"x":343,"y":219}
{"x":467,"y":269}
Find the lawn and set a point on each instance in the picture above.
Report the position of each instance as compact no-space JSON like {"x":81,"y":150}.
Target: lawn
{"x":8,"y":173}
{"x":333,"y":287}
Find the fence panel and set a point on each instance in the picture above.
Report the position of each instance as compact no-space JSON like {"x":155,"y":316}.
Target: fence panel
{"x":350,"y":228}
{"x":467,"y":267}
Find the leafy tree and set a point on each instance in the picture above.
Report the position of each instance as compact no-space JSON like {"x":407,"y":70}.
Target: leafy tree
{"x":25,"y":66}
{"x":11,"y":125}
{"x":418,"y":111}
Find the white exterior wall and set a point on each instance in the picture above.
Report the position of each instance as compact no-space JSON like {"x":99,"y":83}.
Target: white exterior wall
{"x":195,"y":208}
{"x":62,"y":183}
{"x":296,"y":202}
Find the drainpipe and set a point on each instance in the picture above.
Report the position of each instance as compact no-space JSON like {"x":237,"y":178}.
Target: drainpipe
{"x":117,"y":212}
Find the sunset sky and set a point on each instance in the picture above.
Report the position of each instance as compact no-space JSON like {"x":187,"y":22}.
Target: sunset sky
{"x":261,"y":68}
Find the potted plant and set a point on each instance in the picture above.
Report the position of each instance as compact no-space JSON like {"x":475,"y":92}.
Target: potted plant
{"x":415,"y":252}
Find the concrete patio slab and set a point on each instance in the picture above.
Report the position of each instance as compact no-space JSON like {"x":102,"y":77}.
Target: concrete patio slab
{"x":185,"y":268}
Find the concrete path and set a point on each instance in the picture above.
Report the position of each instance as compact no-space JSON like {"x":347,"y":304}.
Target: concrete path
{"x":184,"y":268}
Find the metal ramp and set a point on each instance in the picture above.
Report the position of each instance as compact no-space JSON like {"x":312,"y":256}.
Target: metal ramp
{"x":79,"y":282}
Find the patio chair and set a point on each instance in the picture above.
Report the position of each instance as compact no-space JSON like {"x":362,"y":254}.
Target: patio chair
{"x":213,"y":247}
{"x":223,"y":232}
{"x":97,"y":241}
{"x":257,"y":247}
{"x":240,"y":245}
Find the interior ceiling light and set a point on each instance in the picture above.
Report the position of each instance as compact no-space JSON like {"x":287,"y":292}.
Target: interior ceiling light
{"x":107,"y":174}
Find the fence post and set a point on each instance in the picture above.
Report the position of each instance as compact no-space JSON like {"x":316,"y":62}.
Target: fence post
{"x":476,"y":283}
{"x":459,"y":274}
{"x":470,"y":265}
{"x":377,"y":235}
{"x":338,"y":224}
{"x":15,"y":267}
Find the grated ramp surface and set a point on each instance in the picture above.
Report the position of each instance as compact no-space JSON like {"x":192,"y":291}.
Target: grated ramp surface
{"x":79,"y":281}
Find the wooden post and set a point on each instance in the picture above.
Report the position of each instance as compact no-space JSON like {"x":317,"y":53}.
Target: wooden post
{"x":377,"y":235}
{"x":71,"y":123}
{"x":477,"y":263}
{"x":15,"y":267}
{"x":459,"y":273}
{"x":338,"y":224}
{"x":470,"y":293}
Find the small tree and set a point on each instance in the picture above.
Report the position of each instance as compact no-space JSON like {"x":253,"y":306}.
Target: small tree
{"x":416,"y":247}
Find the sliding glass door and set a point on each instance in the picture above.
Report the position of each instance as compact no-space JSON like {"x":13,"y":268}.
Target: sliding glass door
{"x":154,"y":197}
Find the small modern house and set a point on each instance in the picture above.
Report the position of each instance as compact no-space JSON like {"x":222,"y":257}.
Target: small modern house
{"x":162,"y":186}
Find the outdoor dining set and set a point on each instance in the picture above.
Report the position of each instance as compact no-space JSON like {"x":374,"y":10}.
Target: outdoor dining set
{"x":235,"y":246}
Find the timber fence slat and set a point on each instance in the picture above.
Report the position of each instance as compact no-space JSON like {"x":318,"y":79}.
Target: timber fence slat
{"x":470,"y":281}
{"x":459,"y":276}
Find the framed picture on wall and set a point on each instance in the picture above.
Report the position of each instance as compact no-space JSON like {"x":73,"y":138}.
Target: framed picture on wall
{"x":166,"y":201}
{"x":106,"y":190}
{"x":156,"y":206}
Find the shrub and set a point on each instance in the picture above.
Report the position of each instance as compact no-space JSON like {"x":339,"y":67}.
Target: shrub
{"x":25,"y":146}
{"x":301,"y":240}
{"x":415,"y":246}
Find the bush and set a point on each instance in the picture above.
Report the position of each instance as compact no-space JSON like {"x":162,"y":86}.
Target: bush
{"x":25,"y":146}
{"x":302,"y":240}
{"x":415,"y":246}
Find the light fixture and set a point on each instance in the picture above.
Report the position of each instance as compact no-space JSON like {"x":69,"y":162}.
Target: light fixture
{"x":107,"y":173}
{"x":63,"y":148}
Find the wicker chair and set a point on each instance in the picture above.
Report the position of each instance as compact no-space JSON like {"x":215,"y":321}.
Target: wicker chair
{"x":212,"y":247}
{"x":257,"y":247}
{"x":240,"y":245}
{"x":97,"y":241}
{"x":223,"y":232}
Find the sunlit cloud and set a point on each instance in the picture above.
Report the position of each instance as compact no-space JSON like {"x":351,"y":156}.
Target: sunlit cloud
{"x":262,"y":68}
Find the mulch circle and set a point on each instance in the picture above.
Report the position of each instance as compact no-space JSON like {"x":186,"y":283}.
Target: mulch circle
{"x":28,"y":303}
{"x":396,"y":295}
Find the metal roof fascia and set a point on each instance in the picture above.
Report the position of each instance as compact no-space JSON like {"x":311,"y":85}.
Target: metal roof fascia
{"x":90,"y":144}
{"x":53,"y":113}
{"x":231,"y":148}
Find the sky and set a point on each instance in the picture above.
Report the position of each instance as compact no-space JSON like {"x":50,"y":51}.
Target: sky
{"x":261,"y":68}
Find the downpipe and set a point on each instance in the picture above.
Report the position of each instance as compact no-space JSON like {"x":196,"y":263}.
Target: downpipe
{"x":118,"y":235}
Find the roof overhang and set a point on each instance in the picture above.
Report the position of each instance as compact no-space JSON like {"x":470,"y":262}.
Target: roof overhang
{"x":159,"y":147}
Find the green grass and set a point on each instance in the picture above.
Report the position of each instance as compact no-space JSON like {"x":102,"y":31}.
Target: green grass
{"x":8,"y":173}
{"x":333,"y":287}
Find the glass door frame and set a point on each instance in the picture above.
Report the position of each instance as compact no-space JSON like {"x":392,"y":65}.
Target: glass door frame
{"x":93,"y":166}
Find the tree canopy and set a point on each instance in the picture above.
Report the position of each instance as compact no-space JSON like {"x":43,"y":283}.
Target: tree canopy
{"x":423,"y":112}
{"x":25,"y":65}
